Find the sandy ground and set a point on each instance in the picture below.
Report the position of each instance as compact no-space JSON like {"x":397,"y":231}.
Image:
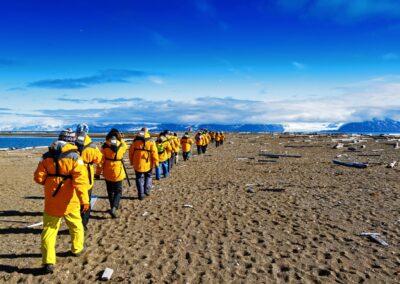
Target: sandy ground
{"x":300,"y":222}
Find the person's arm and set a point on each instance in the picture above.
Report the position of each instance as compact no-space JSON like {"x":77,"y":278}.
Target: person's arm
{"x":40,"y":173}
{"x":80,"y":180}
{"x":154,"y":155}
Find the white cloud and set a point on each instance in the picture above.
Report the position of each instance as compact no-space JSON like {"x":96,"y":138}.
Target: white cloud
{"x":391,"y":56}
{"x":299,"y":65}
{"x":374,"y":98}
{"x":343,"y":11}
{"x":156,"y":80}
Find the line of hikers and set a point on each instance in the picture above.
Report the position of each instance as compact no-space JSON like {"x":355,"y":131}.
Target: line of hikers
{"x":67,"y":173}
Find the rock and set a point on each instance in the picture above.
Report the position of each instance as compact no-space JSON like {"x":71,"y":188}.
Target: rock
{"x":250,"y":190}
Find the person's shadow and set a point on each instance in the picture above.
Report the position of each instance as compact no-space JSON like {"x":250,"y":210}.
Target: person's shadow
{"x":31,"y":271}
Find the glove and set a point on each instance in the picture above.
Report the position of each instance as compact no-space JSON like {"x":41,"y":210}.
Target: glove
{"x":85,"y":208}
{"x":96,"y":176}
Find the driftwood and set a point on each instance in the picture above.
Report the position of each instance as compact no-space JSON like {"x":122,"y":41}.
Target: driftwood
{"x":281,"y":155}
{"x":35,"y":225}
{"x":350,"y":164}
{"x":369,"y":155}
{"x":392,"y":164}
{"x":338,"y":146}
{"x":375,"y":237}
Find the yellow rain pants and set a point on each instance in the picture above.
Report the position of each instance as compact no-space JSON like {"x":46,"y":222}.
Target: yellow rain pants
{"x":51,"y":225}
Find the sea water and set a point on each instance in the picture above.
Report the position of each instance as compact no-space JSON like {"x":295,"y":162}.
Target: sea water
{"x":19,"y":142}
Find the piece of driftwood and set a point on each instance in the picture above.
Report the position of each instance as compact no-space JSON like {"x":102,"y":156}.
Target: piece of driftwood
{"x":270,"y":155}
{"x":350,"y":164}
{"x":374,"y":237}
{"x":392,"y":164}
{"x":338,"y":146}
{"x":35,"y":225}
{"x":107,"y":274}
{"x":187,"y":206}
{"x":369,"y":155}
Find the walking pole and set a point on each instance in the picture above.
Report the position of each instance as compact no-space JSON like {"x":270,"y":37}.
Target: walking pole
{"x":126,"y":173}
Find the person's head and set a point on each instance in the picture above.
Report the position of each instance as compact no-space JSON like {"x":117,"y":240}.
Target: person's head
{"x":83,"y":127}
{"x":144,"y":129}
{"x":67,"y":135}
{"x":175,"y":134}
{"x":113,"y":133}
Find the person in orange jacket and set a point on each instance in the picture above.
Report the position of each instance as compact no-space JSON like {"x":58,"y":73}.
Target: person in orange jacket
{"x":199,"y":142}
{"x":113,"y":168}
{"x":222,"y":138}
{"x":176,"y":146}
{"x":163,"y":148}
{"x":143,"y":157}
{"x":186,"y":144}
{"x":64,"y":177}
{"x":217,"y":139}
{"x":90,"y":155}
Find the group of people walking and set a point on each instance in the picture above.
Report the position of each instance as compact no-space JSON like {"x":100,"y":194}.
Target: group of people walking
{"x":67,"y":173}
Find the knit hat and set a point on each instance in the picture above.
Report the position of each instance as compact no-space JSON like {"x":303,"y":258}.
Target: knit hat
{"x":82,"y":128}
{"x":67,"y":135}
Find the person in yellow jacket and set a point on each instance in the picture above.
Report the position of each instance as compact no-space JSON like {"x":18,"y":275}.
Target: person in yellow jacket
{"x":206,"y":141}
{"x":222,"y":138}
{"x":62,"y":173}
{"x":113,"y":168}
{"x":199,"y":142}
{"x":90,"y":155}
{"x":163,"y":148}
{"x":186,"y":143}
{"x":217,"y":139}
{"x":176,"y":145}
{"x":143,"y":157}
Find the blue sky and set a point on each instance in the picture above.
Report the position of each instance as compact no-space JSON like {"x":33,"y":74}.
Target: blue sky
{"x":303,"y":63}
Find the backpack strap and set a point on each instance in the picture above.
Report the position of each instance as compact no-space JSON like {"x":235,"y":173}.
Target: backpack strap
{"x":56,"y":157}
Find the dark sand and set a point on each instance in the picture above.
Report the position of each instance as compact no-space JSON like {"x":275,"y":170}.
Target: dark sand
{"x":302,"y":224}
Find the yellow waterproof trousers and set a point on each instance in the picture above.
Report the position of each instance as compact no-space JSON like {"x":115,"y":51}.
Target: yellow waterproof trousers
{"x":51,"y":224}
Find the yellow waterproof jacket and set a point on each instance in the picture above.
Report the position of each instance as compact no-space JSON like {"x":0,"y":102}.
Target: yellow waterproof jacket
{"x":90,"y":155}
{"x":205,"y":139}
{"x":222,"y":138}
{"x":163,"y":156}
{"x":212,"y":135}
{"x":112,"y":164}
{"x":169,"y":149}
{"x":176,"y":144}
{"x":186,"y":143}
{"x":199,"y":139}
{"x":143,"y":154}
{"x":208,"y":137}
{"x":71,"y":179}
{"x":217,"y":137}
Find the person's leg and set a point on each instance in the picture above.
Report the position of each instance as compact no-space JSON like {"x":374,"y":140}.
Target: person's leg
{"x":199,"y":150}
{"x":51,"y":224}
{"x":117,"y":194}
{"x":164,"y":166}
{"x":140,"y":184}
{"x":158,"y":171}
{"x":147,"y":183}
{"x":184,"y":155}
{"x":86,"y":216}
{"x":76,"y":231}
{"x":176,"y":158}
{"x":188,"y":154}
{"x":110,"y":192}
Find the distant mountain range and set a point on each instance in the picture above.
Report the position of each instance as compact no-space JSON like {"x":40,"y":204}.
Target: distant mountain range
{"x":372,"y":126}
